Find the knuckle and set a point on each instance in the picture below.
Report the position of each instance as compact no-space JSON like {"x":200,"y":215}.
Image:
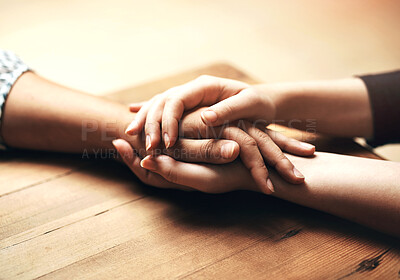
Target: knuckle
{"x":254,"y":96}
{"x":284,"y":145}
{"x":228,"y":109}
{"x":207,"y":82}
{"x":207,"y":148}
{"x":203,"y":77}
{"x":156,"y":97}
{"x":249,"y":141}
{"x":170,"y":99}
{"x":152,"y":125}
{"x":279,"y":159}
{"x":260,"y":164}
{"x":260,"y":134}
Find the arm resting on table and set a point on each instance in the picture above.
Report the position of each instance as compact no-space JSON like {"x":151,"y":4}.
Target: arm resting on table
{"x":366,"y":191}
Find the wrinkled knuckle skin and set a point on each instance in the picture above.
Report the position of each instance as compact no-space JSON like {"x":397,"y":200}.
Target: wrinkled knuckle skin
{"x":250,"y":142}
{"x":279,"y":159}
{"x":261,"y":134}
{"x":207,"y":149}
{"x":153,"y":125}
{"x":260,"y":164}
{"x":284,"y":145}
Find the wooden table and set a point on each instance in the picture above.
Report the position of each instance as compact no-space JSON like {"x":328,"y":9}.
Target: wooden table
{"x":62,"y":217}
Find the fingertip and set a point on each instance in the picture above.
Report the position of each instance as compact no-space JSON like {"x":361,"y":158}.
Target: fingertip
{"x":270,"y":186}
{"x":117,"y":142}
{"x":236,"y":150}
{"x":167,"y":140}
{"x":289,"y":172}
{"x":148,"y":163}
{"x":124,"y":149}
{"x":299,"y":177}
{"x":132,"y":128}
{"x":209,"y":117}
{"x":135,"y":107}
{"x":308,"y":148}
{"x":230,"y":150}
{"x":267,"y":187}
{"x":148,"y":142}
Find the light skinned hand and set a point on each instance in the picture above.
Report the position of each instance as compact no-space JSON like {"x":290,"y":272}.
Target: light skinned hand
{"x":232,"y":100}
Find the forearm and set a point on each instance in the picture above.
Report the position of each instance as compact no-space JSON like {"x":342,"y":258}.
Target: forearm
{"x":339,"y":107}
{"x":362,"y":190}
{"x":42,"y":115}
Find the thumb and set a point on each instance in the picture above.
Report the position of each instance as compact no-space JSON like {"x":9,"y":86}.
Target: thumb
{"x":247,"y":104}
{"x":125,"y":150}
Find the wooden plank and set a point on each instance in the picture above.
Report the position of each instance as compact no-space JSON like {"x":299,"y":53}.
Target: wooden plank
{"x":20,"y":169}
{"x":96,"y":221}
{"x":64,"y":200}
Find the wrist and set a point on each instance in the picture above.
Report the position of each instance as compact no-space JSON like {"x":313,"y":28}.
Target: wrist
{"x":277,"y":97}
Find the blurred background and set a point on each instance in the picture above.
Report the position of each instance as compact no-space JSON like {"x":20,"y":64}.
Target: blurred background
{"x":102,"y":46}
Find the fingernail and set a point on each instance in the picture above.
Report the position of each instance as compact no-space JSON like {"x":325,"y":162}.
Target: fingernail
{"x":209,"y":116}
{"x":148,"y":163}
{"x":148,"y":142}
{"x":270,"y":186}
{"x":114,"y":141}
{"x":167,"y":140}
{"x":307,"y":146}
{"x":227,"y":150}
{"x":132,"y":128}
{"x":297,"y":173}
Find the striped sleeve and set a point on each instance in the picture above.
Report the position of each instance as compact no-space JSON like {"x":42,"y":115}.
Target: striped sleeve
{"x":11,"y":67}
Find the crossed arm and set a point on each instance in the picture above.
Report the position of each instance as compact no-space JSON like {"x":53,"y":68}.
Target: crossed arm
{"x":42,"y":115}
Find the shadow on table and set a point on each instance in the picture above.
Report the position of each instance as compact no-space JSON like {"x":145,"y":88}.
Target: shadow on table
{"x":241,"y":211}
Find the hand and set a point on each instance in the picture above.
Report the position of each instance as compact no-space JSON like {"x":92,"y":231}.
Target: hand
{"x":271,"y":144}
{"x":236,"y":100}
{"x":164,"y":172}
{"x":252,"y":140}
{"x":233,"y":100}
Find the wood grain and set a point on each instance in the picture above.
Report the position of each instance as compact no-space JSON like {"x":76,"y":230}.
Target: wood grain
{"x":62,"y":217}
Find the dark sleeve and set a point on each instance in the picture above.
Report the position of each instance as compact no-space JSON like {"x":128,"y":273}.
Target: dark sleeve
{"x":384,"y":96}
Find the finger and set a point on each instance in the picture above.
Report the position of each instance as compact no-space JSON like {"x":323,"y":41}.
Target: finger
{"x":205,"y":150}
{"x":137,"y":124}
{"x":251,"y":157}
{"x":135,"y":107}
{"x":200,"y":177}
{"x":203,"y":91}
{"x":179,"y":99}
{"x":274,"y":156}
{"x":152,"y":126}
{"x":291,"y":145}
{"x":133,"y":162}
{"x":245,"y":105}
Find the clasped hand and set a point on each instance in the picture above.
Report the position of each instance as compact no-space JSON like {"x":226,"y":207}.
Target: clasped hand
{"x":177,"y":125}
